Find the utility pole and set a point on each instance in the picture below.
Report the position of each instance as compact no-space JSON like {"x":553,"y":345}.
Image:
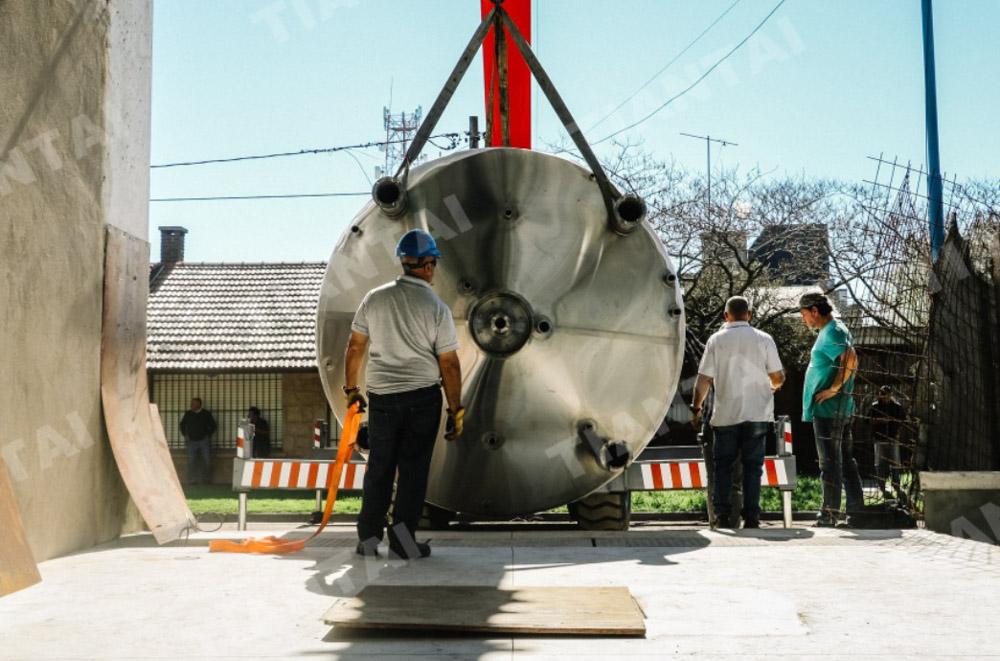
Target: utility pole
{"x":708,"y":163}
{"x":399,"y":131}
{"x":934,"y":187}
{"x":473,"y":132}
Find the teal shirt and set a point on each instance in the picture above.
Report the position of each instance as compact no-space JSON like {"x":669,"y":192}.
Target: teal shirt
{"x":833,"y":340}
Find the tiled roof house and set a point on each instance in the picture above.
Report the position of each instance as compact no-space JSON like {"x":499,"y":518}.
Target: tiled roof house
{"x":236,"y":335}
{"x":233,"y":316}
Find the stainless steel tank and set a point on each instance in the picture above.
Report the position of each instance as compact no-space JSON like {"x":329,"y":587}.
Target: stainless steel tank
{"x":562,"y":323}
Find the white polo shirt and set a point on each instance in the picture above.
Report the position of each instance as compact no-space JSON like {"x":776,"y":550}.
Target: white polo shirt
{"x":739,"y":358}
{"x":408,"y":327}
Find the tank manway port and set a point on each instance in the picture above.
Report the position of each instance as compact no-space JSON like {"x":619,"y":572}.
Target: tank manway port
{"x":501,"y":323}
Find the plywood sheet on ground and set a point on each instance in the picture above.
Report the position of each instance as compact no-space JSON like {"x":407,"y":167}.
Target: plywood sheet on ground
{"x":17,"y":566}
{"x":603,"y":611}
{"x":136,"y":439}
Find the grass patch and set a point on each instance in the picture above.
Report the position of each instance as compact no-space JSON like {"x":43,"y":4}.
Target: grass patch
{"x":807,"y":496}
{"x":222,"y":500}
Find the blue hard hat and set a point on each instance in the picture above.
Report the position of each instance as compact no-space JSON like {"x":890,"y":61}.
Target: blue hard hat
{"x":417,"y":243}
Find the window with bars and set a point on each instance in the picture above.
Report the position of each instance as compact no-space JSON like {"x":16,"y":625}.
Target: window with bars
{"x":227,"y":396}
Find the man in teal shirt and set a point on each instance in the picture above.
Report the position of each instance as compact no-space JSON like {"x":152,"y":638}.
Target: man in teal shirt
{"x":828,"y":404}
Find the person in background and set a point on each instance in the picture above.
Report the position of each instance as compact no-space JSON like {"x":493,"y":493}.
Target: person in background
{"x":261,"y":433}
{"x":742,"y":364}
{"x":197,"y":426}
{"x":887,"y":416}
{"x":828,"y":404}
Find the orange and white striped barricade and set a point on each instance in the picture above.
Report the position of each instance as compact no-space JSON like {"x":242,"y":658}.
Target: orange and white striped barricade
{"x":784,"y":428}
{"x":317,"y":446}
{"x":317,"y":434}
{"x":250,"y":473}
{"x":674,"y":468}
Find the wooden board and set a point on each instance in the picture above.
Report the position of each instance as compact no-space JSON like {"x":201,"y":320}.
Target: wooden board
{"x":597,"y":611}
{"x":138,"y":443}
{"x":163,"y":449}
{"x":17,"y":566}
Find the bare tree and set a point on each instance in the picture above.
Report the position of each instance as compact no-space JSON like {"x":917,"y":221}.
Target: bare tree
{"x":758,"y":237}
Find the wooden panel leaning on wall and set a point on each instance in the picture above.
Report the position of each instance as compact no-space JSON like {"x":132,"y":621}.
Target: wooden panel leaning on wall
{"x":136,"y":439}
{"x":17,"y":566}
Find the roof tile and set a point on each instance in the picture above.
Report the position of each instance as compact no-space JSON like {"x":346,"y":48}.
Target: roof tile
{"x":233,"y":316}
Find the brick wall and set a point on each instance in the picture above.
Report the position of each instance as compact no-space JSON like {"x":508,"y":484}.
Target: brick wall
{"x":304,"y":403}
{"x":222,"y":466}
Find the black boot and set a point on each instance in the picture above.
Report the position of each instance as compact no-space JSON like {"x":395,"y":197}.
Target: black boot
{"x":368,"y":549}
{"x":403,"y":545}
{"x":410,"y":551}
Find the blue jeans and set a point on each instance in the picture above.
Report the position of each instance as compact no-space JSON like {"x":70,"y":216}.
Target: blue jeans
{"x":747,"y":440}
{"x":199,"y":461}
{"x":402,"y":430}
{"x":838,"y":469}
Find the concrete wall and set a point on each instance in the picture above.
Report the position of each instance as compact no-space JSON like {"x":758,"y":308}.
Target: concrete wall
{"x":74,"y":155}
{"x":963,"y":503}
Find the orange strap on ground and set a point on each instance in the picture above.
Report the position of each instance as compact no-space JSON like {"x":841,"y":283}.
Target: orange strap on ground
{"x":272,"y":544}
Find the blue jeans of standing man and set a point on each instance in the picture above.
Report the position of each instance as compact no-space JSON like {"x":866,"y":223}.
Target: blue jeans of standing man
{"x":747,"y":440}
{"x":199,"y":461}
{"x":838,"y":469}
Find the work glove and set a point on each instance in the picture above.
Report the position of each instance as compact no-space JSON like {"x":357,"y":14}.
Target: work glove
{"x":695,"y":417}
{"x":353,"y":395}
{"x":453,"y":428}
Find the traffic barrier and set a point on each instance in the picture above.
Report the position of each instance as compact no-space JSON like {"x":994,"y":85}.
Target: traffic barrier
{"x":679,"y":475}
{"x":669,"y":474}
{"x":676,"y":473}
{"x":284,"y":474}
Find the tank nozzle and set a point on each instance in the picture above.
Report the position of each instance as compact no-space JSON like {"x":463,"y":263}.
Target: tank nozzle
{"x":630,"y":211}
{"x":390,"y":196}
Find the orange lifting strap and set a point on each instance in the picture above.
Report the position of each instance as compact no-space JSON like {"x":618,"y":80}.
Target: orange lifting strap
{"x":272,"y":544}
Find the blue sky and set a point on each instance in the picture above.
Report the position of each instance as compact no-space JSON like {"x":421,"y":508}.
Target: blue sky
{"x":821,"y":86}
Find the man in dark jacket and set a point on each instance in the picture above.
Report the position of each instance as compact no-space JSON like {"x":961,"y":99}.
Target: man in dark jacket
{"x":261,"y":433}
{"x":887,"y":417}
{"x":197,"y":426}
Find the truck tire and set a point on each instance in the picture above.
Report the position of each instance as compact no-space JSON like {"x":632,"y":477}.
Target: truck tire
{"x":602,"y":511}
{"x":435,"y":518}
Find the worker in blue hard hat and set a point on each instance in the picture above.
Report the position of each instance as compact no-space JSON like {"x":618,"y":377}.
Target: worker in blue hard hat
{"x":408,"y":334}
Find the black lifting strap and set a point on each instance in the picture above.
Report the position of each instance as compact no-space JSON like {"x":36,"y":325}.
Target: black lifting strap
{"x":497,"y":16}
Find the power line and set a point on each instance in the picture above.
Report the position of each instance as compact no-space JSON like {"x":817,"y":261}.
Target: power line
{"x":697,"y":81}
{"x":453,"y":137}
{"x":665,"y":67}
{"x":283,"y":196}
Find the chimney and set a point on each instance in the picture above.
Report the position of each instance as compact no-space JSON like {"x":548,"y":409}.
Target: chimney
{"x":172,"y":244}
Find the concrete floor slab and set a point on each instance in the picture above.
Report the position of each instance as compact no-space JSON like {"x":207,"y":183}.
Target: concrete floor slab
{"x":772,"y":593}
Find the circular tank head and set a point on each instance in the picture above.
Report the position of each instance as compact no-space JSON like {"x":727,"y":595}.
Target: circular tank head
{"x":563,"y":320}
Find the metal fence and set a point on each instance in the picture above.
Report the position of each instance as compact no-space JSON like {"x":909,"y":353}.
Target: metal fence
{"x":226,"y":395}
{"x":929,"y":332}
